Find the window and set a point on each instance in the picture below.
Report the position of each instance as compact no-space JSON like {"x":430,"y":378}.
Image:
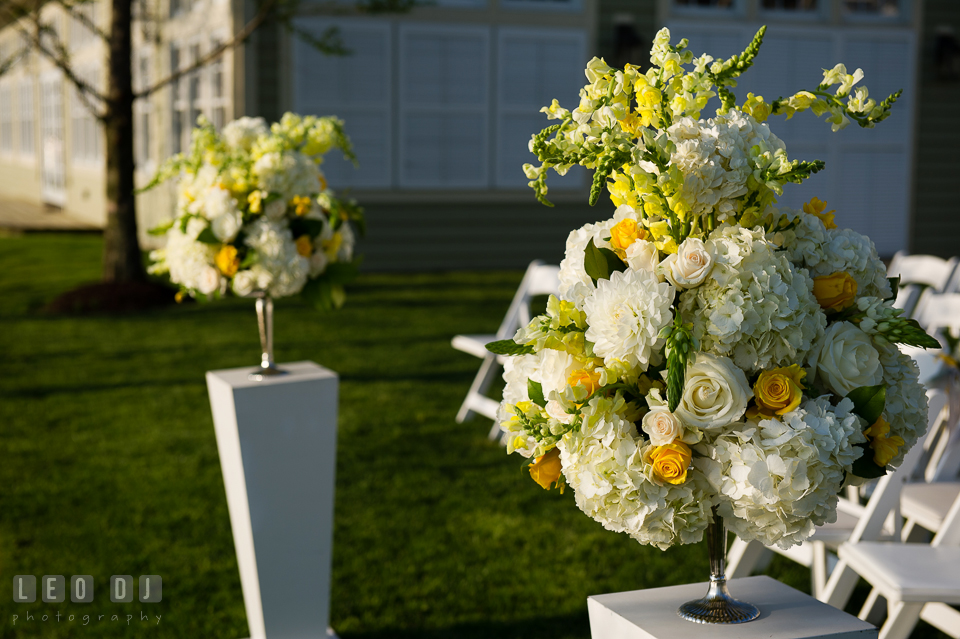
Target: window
{"x":706,"y":4}
{"x":143,"y":110}
{"x":216,"y":101}
{"x":460,"y":110}
{"x":443,"y":103}
{"x":26,"y":118}
{"x":193,"y":88}
{"x":542,"y":5}
{"x":6,"y":119}
{"x":85,"y":129}
{"x":789,"y":5}
{"x":883,"y":9}
{"x":80,"y":35}
{"x":178,"y":113}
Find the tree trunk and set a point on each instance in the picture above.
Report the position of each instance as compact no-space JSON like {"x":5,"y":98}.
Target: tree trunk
{"x":121,"y":250}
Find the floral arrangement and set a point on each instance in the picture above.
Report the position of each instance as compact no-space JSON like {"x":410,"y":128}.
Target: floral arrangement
{"x":708,"y":349}
{"x":255,"y":214}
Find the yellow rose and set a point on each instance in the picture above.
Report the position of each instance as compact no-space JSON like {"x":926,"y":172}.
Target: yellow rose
{"x":227,"y":261}
{"x":304,"y":246}
{"x":884,"y":447}
{"x":835,"y":292}
{"x":816,"y":207}
{"x":546,"y":469}
{"x":778,"y":391}
{"x":670,"y":462}
{"x":588,"y":379}
{"x":625,"y":233}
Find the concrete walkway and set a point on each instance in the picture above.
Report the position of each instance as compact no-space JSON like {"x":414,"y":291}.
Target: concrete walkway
{"x":23,"y":216}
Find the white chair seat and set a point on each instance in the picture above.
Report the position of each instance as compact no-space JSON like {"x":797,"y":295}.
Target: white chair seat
{"x":475,"y":345}
{"x":838,"y":532}
{"x":907,"y":572}
{"x":927,"y":504}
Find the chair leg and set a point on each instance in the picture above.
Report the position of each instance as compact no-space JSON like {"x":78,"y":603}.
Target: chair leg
{"x":902,"y":620}
{"x":874,"y":608}
{"x":743,"y":558}
{"x":818,"y":569}
{"x":479,"y":386}
{"x":839,"y":586}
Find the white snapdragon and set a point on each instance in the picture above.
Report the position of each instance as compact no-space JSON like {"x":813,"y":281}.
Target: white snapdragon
{"x":243,"y":132}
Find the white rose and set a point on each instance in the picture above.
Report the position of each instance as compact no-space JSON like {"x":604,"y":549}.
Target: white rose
{"x":715,"y":393}
{"x":643,"y":256}
{"x":556,"y":410}
{"x":690,"y":265}
{"x":209,"y":280}
{"x":276,"y":209}
{"x":226,"y":226}
{"x":845,"y":359}
{"x":662,"y":426}
{"x":244,"y":282}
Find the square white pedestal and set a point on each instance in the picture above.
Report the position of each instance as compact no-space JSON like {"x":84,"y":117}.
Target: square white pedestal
{"x":785,"y":613}
{"x":277,"y":440}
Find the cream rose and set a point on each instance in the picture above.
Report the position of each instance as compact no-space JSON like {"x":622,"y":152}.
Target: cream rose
{"x":209,"y":280}
{"x":690,"y":265}
{"x":844,"y":359}
{"x":643,"y":256}
{"x":662,"y":426}
{"x":715,"y":393}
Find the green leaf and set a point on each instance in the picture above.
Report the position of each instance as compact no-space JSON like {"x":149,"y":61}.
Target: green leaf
{"x":342,"y":272}
{"x":509,"y":347}
{"x":535,"y":391}
{"x":303,"y":226}
{"x":599,"y":263}
{"x":868,"y":403}
{"x":207,"y":237}
{"x":865,"y":466}
{"x":161,"y":229}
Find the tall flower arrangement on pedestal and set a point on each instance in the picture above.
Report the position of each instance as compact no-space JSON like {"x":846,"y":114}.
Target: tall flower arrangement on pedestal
{"x":255,"y":215}
{"x":709,"y":348}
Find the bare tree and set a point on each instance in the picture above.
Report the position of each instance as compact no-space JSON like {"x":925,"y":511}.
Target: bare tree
{"x":113,"y":108}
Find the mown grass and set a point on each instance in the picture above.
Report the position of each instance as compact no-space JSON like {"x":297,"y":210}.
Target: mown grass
{"x":108,"y":465}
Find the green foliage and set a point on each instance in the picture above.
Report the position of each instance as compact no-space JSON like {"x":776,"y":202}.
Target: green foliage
{"x":733,"y":68}
{"x":509,"y":347}
{"x":865,"y":467}
{"x":868,"y":402}
{"x":599,"y":263}
{"x":679,"y":347}
{"x":535,"y":391}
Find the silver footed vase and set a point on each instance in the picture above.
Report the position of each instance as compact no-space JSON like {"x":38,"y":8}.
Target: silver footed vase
{"x":265,"y":322}
{"x":718,"y":606}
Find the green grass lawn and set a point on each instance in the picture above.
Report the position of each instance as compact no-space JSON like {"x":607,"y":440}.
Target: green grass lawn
{"x":108,"y":465}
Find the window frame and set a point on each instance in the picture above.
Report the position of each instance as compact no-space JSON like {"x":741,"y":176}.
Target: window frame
{"x":27,"y":117}
{"x":547,"y":6}
{"x":7,"y":146}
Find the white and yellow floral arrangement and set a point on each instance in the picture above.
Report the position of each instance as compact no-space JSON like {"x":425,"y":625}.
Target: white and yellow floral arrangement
{"x":708,"y":349}
{"x":254,"y":213}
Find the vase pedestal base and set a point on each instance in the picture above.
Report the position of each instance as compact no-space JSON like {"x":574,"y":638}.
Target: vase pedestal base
{"x":718,"y":606}
{"x":785,"y":613}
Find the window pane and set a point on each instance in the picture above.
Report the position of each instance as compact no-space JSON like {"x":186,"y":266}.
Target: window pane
{"x":717,"y":4}
{"x":790,"y":5}
{"x":884,"y":8}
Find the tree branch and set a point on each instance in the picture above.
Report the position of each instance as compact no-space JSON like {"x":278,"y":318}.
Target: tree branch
{"x":61,"y":60}
{"x":238,"y":39}
{"x":76,"y":12}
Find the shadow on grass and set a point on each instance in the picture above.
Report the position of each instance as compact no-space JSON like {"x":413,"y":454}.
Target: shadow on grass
{"x":559,"y":627}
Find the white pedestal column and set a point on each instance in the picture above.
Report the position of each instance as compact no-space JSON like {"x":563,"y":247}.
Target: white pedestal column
{"x":785,"y":613}
{"x":277,"y":440}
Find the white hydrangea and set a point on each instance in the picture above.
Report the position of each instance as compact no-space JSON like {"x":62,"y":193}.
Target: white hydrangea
{"x":625,"y":315}
{"x":603,"y":463}
{"x":778,"y":479}
{"x":824,"y":251}
{"x":220,"y":207}
{"x":575,"y":284}
{"x":190,"y":263}
{"x":277,"y":255}
{"x":243,"y":132}
{"x":288,"y":174}
{"x":755,"y":307}
{"x":714,"y":157}
{"x":906,"y":399}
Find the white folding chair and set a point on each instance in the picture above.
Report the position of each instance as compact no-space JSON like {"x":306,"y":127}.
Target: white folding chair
{"x":919,"y":276}
{"x":918,"y":581}
{"x":540,"y":279}
{"x":877,"y":519}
